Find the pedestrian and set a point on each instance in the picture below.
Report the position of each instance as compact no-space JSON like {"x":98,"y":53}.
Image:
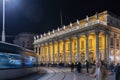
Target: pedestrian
{"x":112,"y":67}
{"x":93,"y":69}
{"x":100,"y":71}
{"x":79,"y":67}
{"x":72,"y":67}
{"x":117,"y":72}
{"x":87,"y":66}
{"x":103,"y":71}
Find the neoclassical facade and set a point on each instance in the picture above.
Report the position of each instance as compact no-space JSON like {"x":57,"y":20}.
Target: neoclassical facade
{"x":95,"y":37}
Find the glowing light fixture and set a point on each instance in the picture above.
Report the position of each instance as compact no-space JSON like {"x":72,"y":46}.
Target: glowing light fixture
{"x":58,"y":29}
{"x":41,"y":36}
{"x":3,"y":31}
{"x":53,"y":31}
{"x":64,"y":27}
{"x":70,"y":24}
{"x":78,"y":22}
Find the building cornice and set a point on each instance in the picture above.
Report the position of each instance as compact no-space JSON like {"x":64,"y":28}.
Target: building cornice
{"x":84,"y":24}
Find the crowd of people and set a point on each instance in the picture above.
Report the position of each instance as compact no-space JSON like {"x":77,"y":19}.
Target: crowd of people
{"x":99,"y":70}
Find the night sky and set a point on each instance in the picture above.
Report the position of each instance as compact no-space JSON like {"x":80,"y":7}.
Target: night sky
{"x":39,"y":16}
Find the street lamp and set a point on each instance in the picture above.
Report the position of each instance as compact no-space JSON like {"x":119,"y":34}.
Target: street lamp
{"x":3,"y":31}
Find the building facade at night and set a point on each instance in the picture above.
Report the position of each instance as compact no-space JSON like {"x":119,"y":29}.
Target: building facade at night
{"x":95,"y":37}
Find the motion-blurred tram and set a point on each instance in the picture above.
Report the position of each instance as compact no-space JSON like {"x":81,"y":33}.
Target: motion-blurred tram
{"x":16,"y":61}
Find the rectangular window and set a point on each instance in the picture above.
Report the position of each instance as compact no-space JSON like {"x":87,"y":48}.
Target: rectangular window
{"x":75,"y":46}
{"x":68,"y":47}
{"x":90,"y":43}
{"x":39,"y":50}
{"x":46,"y":50}
{"x":117,"y":43}
{"x":100,"y":42}
{"x":82,"y":44}
{"x":50,"y":49}
{"x":111,"y":42}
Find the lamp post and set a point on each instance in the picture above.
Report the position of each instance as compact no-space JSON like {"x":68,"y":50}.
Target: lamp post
{"x":3,"y":31}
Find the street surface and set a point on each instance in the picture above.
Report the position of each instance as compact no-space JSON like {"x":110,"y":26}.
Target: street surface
{"x":60,"y":74}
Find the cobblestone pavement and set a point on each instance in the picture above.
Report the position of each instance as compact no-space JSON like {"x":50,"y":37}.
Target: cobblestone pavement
{"x":61,"y":74}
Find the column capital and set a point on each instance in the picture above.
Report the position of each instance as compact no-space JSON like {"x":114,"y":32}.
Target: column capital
{"x":97,"y":32}
{"x":35,"y":46}
{"x":64,"y":39}
{"x":58,"y":41}
{"x":86,"y":34}
{"x":70,"y":38}
{"x":46,"y":43}
{"x":78,"y":36}
{"x":115,"y":35}
{"x":42,"y":44}
{"x":54,"y":41}
{"x":38,"y":45}
{"x":106,"y":32}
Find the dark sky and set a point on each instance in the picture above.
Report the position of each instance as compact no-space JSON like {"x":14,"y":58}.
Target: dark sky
{"x":39,"y":16}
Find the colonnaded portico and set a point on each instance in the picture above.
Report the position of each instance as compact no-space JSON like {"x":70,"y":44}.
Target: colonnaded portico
{"x":90,"y":39}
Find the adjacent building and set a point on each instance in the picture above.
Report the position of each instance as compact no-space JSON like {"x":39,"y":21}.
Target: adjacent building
{"x":25,"y":40}
{"x":95,"y":37}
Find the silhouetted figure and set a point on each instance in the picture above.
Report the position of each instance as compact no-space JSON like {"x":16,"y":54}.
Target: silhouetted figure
{"x":94,"y":63}
{"x":117,"y":72}
{"x":79,"y":67}
{"x":72,"y":67}
{"x":87,"y":66}
{"x":112,"y":67}
{"x":103,"y":71}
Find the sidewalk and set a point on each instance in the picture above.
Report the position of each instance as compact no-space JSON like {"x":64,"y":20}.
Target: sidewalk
{"x":84,"y":76}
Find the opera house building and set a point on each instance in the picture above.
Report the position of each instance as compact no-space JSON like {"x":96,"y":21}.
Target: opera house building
{"x":95,"y":37}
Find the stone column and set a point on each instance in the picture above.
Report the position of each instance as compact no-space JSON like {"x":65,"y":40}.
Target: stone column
{"x":39,"y":50}
{"x":70,"y":50}
{"x":115,"y":47}
{"x":48,"y":52}
{"x":119,"y":45}
{"x":108,"y":56}
{"x":78,"y":47}
{"x":105,"y":54}
{"x":58,"y":52}
{"x":97,"y":46}
{"x":45,"y":54}
{"x":35,"y":48}
{"x":40,"y":53}
{"x":87,"y":50}
{"x":64,"y":51}
{"x":53,"y":51}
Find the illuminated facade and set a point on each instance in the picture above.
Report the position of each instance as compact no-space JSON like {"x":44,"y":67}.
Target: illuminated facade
{"x":93,"y":38}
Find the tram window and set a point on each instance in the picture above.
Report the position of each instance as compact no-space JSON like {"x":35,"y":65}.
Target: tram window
{"x":30,"y":61}
{"x":8,"y":60}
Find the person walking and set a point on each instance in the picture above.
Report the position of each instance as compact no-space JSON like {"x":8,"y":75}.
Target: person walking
{"x":112,"y":67}
{"x":79,"y":67}
{"x":117,"y":72}
{"x":87,"y":66}
{"x":72,"y":67}
{"x":100,"y":71}
{"x":103,"y":71}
